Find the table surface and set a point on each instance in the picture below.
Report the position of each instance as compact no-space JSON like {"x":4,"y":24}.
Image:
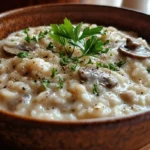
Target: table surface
{"x":138,"y":5}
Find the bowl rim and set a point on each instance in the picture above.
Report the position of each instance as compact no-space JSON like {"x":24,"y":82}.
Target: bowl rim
{"x":104,"y":120}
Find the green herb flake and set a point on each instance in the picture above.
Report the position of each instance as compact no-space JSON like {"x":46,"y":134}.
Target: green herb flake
{"x":60,"y":83}
{"x":50,"y":46}
{"x":54,"y":72}
{"x":109,"y":66}
{"x":73,"y":67}
{"x":42,"y":35}
{"x":113,"y":67}
{"x":12,"y":40}
{"x":111,"y":54}
{"x":34,"y":38}
{"x":64,"y":60}
{"x":95,"y":89}
{"x":45,"y":83}
{"x":27,"y":38}
{"x":120,"y":63}
{"x":148,"y":70}
{"x":26,"y":30}
{"x":23,"y":54}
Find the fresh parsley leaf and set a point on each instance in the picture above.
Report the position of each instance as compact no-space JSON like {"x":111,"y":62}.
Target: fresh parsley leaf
{"x":45,"y":83}
{"x":90,"y":32}
{"x":54,"y":72}
{"x":94,"y":46}
{"x":120,"y":63}
{"x":23,"y":54}
{"x":85,"y":40}
{"x":50,"y":46}
{"x":148,"y":70}
{"x":73,"y":67}
{"x":60,"y":83}
{"x":95,"y":89}
{"x":59,"y":39}
{"x":77,"y":31}
{"x":68,"y":31}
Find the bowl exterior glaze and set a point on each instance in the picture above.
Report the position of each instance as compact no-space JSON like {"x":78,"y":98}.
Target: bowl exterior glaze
{"x":128,"y":133}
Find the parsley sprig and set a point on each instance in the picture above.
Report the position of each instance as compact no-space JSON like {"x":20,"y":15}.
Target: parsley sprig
{"x":86,"y":41}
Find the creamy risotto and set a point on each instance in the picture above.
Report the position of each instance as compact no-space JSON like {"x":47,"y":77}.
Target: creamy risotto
{"x":65,"y":72}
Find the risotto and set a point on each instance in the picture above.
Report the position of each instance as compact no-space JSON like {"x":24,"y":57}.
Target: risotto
{"x":93,"y":72}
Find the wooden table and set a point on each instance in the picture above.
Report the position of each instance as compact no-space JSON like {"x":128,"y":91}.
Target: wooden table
{"x":139,"y":5}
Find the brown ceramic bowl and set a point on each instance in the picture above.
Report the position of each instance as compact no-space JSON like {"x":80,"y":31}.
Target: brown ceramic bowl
{"x":126,"y":133}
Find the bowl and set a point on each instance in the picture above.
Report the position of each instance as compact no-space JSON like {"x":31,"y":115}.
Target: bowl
{"x":116,"y":133}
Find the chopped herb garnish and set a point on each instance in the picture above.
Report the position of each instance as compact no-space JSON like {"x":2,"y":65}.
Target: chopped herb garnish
{"x":64,"y":60}
{"x":113,"y":67}
{"x":23,"y":54}
{"x":111,"y":54}
{"x":42,"y":34}
{"x":27,"y":38}
{"x":109,"y":66}
{"x":45,"y":83}
{"x":35,"y":39}
{"x":60,"y":83}
{"x":95,"y":89}
{"x":90,"y":62}
{"x":50,"y":46}
{"x":54,"y":72}
{"x":120,"y":63}
{"x":26,"y":30}
{"x":73,"y":67}
{"x":148,"y":70}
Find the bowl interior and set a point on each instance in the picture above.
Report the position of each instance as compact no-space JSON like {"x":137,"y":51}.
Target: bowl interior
{"x":102,"y":15}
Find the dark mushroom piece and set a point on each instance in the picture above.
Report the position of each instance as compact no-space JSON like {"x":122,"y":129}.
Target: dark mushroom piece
{"x":134,"y":49}
{"x":14,"y":50}
{"x":99,"y":76}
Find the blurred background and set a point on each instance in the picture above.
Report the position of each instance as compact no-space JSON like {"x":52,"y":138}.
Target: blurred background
{"x":140,"y":5}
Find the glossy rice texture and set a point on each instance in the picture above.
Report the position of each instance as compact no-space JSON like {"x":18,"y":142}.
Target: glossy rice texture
{"x":21,"y":80}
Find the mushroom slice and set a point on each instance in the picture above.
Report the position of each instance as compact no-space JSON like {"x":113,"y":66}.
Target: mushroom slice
{"x":134,"y":49}
{"x":14,"y":50}
{"x":99,"y":76}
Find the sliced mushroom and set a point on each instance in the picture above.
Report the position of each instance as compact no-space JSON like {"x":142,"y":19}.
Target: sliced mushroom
{"x":14,"y":50}
{"x":134,"y":49}
{"x":131,"y":44}
{"x":99,"y":76}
